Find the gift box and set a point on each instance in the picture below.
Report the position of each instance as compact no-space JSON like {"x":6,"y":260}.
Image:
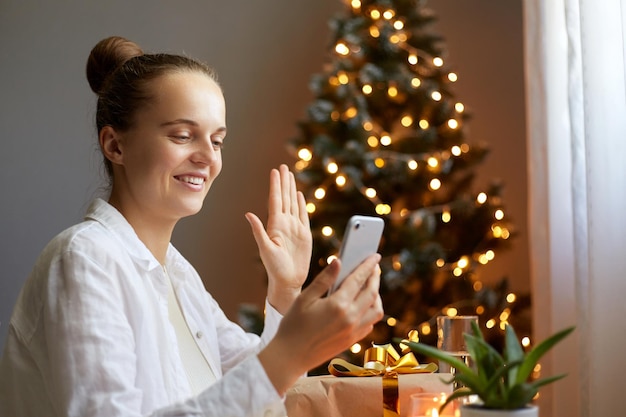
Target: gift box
{"x":331,"y":396}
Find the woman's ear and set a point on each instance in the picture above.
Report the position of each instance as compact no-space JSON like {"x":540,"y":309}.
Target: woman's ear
{"x":110,"y":144}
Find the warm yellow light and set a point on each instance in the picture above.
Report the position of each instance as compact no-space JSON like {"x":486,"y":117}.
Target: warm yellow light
{"x":424,"y":124}
{"x":451,"y":312}
{"x":367,"y":89}
{"x":433,"y":162}
{"x":385,"y":140}
{"x":368,"y":126}
{"x":335,"y":115}
{"x":374,"y":32}
{"x":510,"y":297}
{"x":332,"y":167}
{"x":440,"y":262}
{"x":375,"y":14}
{"x":457,"y":272}
{"x":481,"y":198}
{"x":490,"y":323}
{"x":425,"y":329}
{"x":320,"y":193}
{"x":436,"y":95}
{"x":355,"y":348}
{"x":398,"y":24}
{"x":477,"y":286}
{"x":446,"y":216}
{"x":412,"y":59}
{"x":437,"y":61}
{"x":388,"y":14}
{"x":505,"y":314}
{"x":456,"y":150}
{"x":343,"y":78}
{"x":305,"y":154}
{"x":340,"y":180}
{"x":395,"y":38}
{"x":459,"y":107}
{"x":496,"y":231}
{"x":482,"y":258}
{"x":463,"y":262}
{"x":415,"y":82}
{"x":465,"y":148}
{"x":453,"y":124}
{"x":480,"y":310}
{"x":505,"y":233}
{"x":412,"y":164}
{"x":525,"y":341}
{"x":310,"y":208}
{"x":453,"y":77}
{"x":350,"y":112}
{"x":406,"y":121}
{"x":370,"y":192}
{"x":490,"y":254}
{"x":396,"y":264}
{"x":301,"y":165}
{"x":327,"y":231}
{"x":342,"y":49}
{"x":499,"y":214}
{"x":355,"y":4}
{"x":383,"y":209}
{"x":392,"y":91}
{"x":379,"y":162}
{"x":391,"y":322}
{"x":372,"y":141}
{"x":434,"y":184}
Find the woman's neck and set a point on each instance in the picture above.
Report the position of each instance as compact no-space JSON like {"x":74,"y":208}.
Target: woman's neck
{"x":154,"y":233}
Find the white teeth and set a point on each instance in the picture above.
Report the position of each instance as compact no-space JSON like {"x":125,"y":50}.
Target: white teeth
{"x":192,"y":180}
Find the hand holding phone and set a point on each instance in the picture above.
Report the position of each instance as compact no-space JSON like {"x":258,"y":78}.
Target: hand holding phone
{"x":360,"y":240}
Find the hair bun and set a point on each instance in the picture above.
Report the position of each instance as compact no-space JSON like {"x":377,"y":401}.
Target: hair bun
{"x":108,"y":55}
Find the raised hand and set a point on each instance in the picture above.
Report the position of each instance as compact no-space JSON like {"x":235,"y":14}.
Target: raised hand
{"x":286,"y":243}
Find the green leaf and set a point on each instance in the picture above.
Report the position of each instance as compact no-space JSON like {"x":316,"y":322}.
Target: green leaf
{"x":537,"y":352}
{"x":512,"y":352}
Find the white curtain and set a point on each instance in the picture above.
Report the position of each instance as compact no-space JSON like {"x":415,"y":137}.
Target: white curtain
{"x":576,"y":105}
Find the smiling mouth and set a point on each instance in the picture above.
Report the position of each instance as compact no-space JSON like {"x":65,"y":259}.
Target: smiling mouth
{"x":191,"y":180}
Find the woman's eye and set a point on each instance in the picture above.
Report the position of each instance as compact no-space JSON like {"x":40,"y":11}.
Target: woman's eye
{"x":180,"y":138}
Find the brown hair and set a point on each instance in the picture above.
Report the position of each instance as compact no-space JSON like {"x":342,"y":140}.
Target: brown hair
{"x":119,"y":73}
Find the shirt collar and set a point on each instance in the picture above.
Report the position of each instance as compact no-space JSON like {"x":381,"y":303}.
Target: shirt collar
{"x":107,"y":215}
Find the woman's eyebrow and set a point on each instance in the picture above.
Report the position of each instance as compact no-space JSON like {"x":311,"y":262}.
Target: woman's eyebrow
{"x":179,"y":121}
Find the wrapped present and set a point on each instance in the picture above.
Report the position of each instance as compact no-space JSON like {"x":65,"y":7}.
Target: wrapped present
{"x":381,"y":387}
{"x":330,"y":396}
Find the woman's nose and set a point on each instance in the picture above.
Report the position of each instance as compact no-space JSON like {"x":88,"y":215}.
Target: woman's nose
{"x":205,"y":152}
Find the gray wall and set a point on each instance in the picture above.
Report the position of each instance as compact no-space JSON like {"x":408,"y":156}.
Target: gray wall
{"x":265,"y":53}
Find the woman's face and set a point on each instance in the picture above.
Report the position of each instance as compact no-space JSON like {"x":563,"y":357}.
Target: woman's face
{"x":172,"y":154}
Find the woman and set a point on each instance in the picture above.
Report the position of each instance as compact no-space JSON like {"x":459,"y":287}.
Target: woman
{"x":113,"y":321}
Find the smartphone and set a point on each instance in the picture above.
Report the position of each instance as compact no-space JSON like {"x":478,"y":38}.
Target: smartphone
{"x":360,"y":240}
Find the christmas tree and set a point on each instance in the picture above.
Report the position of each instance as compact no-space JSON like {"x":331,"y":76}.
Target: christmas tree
{"x":385,"y":136}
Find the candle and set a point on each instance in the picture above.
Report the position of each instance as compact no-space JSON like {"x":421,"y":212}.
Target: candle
{"x":427,"y":404}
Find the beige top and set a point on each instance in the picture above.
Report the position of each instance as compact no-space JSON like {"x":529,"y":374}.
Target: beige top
{"x":197,"y":368}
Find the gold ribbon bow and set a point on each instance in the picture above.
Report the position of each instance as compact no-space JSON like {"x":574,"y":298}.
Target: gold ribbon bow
{"x":380,"y":360}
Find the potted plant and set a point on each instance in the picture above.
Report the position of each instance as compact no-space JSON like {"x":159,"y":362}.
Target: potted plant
{"x":501,"y":382}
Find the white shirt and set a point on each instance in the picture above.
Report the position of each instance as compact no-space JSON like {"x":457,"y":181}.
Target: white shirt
{"x":90,"y":334}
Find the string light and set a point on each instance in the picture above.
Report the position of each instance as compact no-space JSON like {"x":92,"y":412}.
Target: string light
{"x":453,"y":124}
{"x":374,"y":32}
{"x":370,"y":193}
{"x":342,"y":49}
{"x":398,"y":25}
{"x":412,"y":60}
{"x":367,"y":89}
{"x":452,"y":312}
{"x":406,"y":121}
{"x":305,"y":154}
{"x":452,"y":77}
{"x":456,"y":150}
{"x":434,"y":184}
{"x":499,"y":214}
{"x":356,"y":348}
{"x":310,"y":208}
{"x":372,"y":141}
{"x":424,"y":124}
{"x":340,"y":180}
{"x":385,"y":140}
{"x":327,"y":231}
{"x":415,"y":82}
{"x":412,"y":164}
{"x":459,"y":107}
{"x":437,"y":61}
{"x":332,"y":167}
{"x":481,"y":198}
{"x":319,"y":193}
{"x":375,"y":14}
{"x":436,"y":95}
